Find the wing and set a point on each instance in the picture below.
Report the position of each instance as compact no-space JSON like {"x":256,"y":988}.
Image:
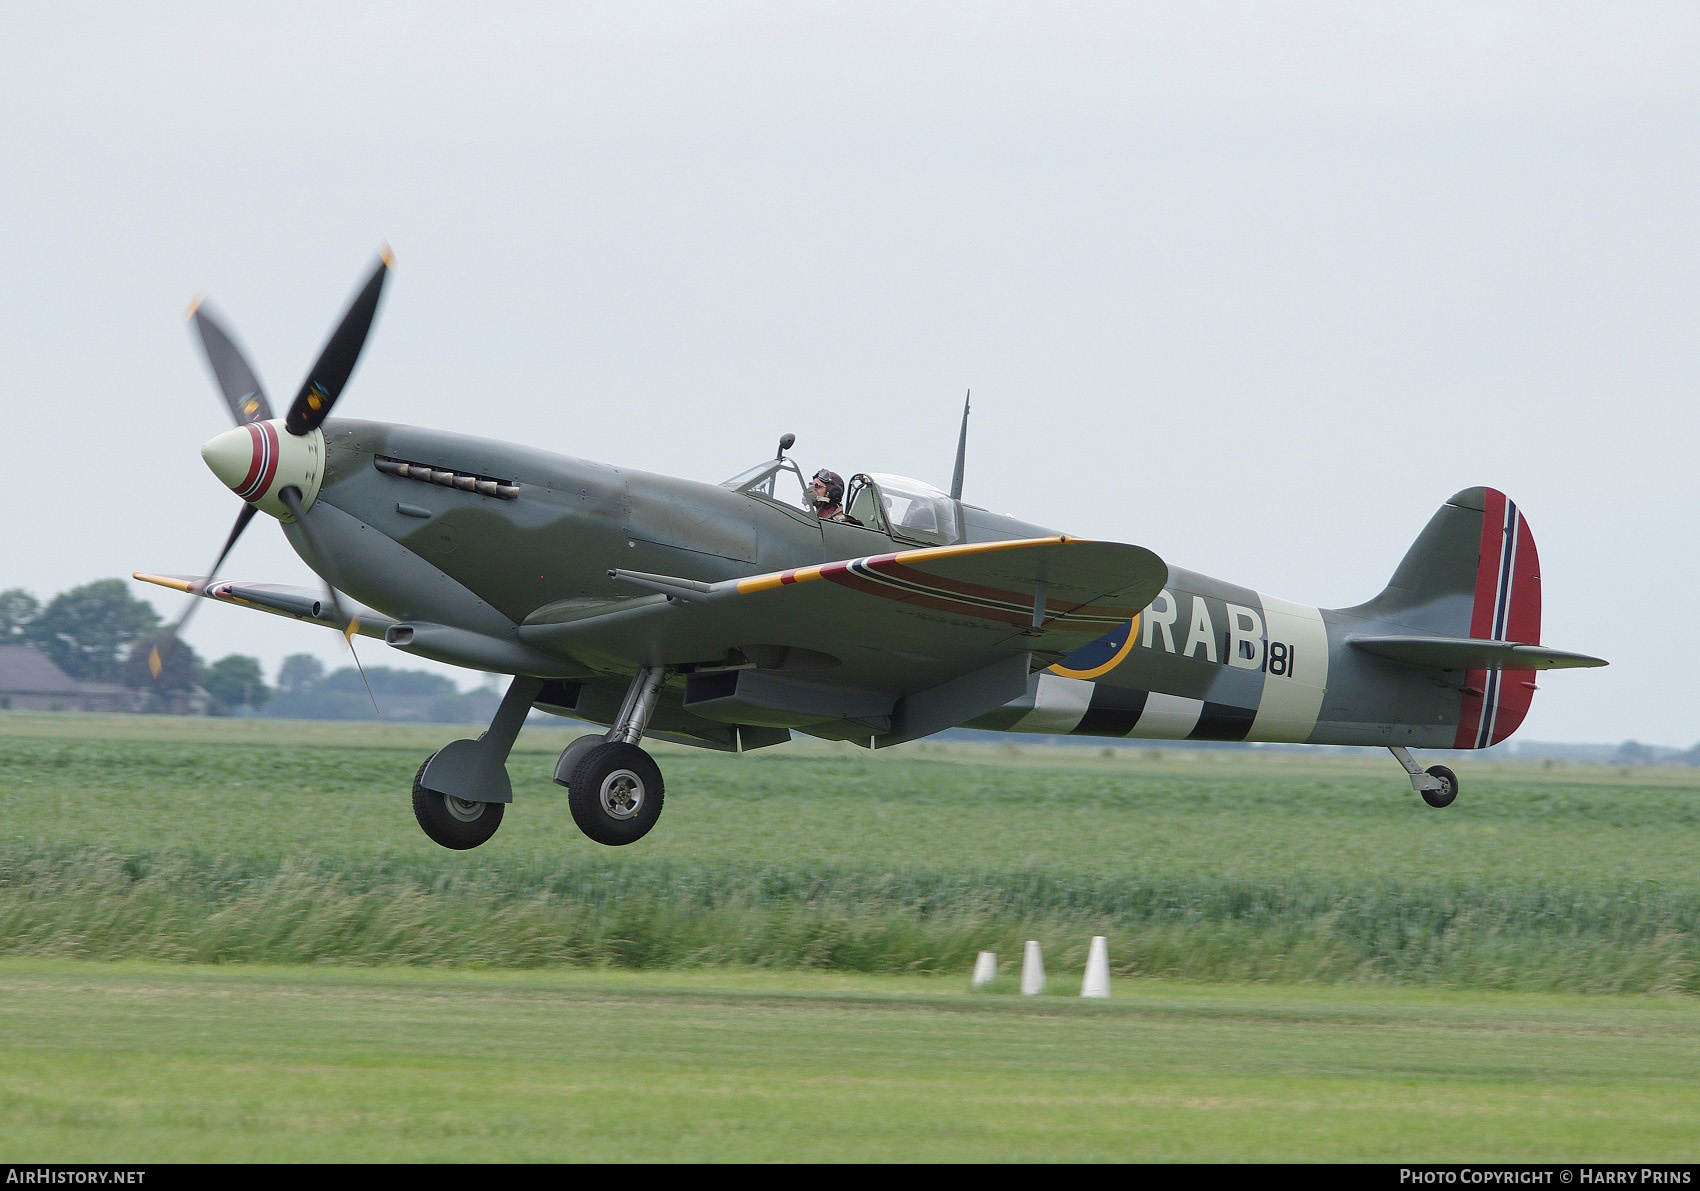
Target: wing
{"x":887,"y":647}
{"x":297,"y":603}
{"x":856,"y":636}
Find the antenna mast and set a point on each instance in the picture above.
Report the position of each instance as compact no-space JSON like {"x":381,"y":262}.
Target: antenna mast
{"x":961,"y":450}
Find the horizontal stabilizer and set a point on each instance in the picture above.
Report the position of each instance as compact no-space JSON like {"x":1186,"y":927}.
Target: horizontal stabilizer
{"x":297,"y":603}
{"x":1471,"y":653}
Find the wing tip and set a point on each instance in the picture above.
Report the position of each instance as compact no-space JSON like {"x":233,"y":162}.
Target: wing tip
{"x":175,"y":582}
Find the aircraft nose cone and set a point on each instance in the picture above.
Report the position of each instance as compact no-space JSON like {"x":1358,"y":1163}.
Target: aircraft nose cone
{"x":244,"y":458}
{"x":228,"y":455}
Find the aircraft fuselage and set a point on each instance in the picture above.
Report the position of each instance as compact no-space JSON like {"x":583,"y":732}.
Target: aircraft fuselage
{"x":1207,"y":660}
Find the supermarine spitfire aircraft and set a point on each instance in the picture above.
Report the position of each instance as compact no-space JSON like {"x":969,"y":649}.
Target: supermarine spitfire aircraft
{"x":731,"y":615}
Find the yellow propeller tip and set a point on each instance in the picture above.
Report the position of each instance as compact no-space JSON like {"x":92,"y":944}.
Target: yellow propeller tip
{"x":194,"y":305}
{"x":348,"y":632}
{"x":154,"y":664}
{"x":388,"y":257}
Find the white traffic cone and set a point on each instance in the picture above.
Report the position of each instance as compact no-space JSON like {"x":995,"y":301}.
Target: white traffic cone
{"x":1032,"y":970}
{"x":1097,"y":982}
{"x":985,"y":969}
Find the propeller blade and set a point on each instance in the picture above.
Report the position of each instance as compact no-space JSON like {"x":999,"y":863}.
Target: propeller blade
{"x":336,"y":362}
{"x":156,"y":661}
{"x":291,"y":498}
{"x":242,"y":390}
{"x":242,"y":519}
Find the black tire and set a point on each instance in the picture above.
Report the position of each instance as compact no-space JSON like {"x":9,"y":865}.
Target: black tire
{"x":1448,"y":787}
{"x":615,"y":793}
{"x":453,"y":822}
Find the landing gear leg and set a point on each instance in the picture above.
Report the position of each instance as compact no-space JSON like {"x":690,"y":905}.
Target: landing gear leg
{"x":613,"y":787}
{"x":461,"y":789}
{"x":1437,"y":784}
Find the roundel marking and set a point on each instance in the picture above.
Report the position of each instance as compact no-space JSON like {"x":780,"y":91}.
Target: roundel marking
{"x":1101,"y":656}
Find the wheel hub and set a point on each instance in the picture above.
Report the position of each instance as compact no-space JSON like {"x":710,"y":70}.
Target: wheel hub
{"x":622,"y":794}
{"x":460,"y":808}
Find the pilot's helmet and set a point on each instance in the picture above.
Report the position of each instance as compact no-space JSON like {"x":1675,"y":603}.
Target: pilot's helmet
{"x":834,"y":485}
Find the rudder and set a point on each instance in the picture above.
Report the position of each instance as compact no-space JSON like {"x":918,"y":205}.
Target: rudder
{"x":1474,"y":573}
{"x":1506,"y":607}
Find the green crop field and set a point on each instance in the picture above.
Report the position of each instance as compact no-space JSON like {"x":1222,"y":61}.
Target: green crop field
{"x":264,"y":841}
{"x":228,"y":939}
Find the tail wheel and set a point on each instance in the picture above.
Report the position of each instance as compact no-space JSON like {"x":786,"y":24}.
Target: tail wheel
{"x":615,"y":793}
{"x":453,"y":822}
{"x":1448,"y":787}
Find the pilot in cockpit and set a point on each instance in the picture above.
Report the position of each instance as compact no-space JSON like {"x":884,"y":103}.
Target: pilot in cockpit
{"x":826,"y":492}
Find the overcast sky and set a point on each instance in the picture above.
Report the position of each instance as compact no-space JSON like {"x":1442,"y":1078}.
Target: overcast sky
{"x":1257,"y":286}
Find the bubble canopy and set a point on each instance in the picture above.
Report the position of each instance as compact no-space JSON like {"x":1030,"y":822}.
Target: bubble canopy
{"x":908,"y":510}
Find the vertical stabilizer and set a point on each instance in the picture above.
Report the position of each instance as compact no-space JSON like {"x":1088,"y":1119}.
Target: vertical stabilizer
{"x":1473,"y":573}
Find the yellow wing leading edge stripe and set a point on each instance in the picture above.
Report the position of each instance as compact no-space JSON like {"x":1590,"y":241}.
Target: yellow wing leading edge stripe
{"x":907,"y":577}
{"x":774,"y":579}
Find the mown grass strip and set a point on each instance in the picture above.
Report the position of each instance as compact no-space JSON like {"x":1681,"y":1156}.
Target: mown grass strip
{"x":141,"y":1063}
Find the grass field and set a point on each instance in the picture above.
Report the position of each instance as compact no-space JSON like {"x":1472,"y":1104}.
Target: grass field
{"x":137,"y":1064}
{"x":263,"y":841}
{"x":228,"y":940}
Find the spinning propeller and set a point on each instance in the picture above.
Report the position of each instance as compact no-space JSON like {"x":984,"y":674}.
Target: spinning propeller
{"x":276,"y":466}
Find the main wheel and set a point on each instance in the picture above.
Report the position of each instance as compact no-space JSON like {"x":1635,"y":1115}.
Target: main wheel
{"x":1448,"y":786}
{"x":615,"y":793}
{"x":453,"y":822}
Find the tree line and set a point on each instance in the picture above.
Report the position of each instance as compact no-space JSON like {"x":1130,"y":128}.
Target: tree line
{"x":99,"y":632}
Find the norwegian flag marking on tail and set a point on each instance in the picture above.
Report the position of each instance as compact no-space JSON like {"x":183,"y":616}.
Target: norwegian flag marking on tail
{"x":1507,"y":608}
